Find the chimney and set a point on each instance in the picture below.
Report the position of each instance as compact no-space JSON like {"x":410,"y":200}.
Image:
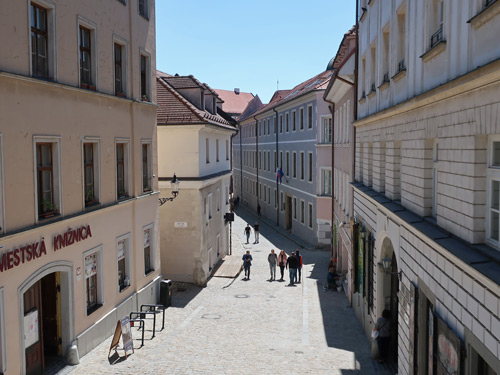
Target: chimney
{"x":237,"y":91}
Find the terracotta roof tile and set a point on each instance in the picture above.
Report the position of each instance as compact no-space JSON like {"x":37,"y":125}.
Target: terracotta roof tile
{"x":234,"y":103}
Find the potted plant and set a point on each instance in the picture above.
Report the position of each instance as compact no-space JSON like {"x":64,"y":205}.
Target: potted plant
{"x":48,"y":208}
{"x":145,"y":98}
{"x":122,"y":194}
{"x":90,"y":197}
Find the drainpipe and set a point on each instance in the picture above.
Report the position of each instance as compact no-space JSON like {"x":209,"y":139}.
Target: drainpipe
{"x":257,"y":157}
{"x":276,"y":160}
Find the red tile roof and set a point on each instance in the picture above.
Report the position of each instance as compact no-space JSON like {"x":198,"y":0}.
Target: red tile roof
{"x":234,"y":103}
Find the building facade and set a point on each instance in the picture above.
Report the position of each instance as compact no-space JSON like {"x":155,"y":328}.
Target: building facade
{"x":194,"y":139}
{"x":79,"y":205}
{"x":287,"y":135}
{"x":340,"y":93}
{"x":426,"y":191}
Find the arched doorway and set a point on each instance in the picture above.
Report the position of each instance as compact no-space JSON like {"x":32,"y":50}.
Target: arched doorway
{"x":390,"y":289}
{"x":46,"y":317}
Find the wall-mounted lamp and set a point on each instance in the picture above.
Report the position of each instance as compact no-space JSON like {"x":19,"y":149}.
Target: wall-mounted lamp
{"x":175,"y":191}
{"x":343,"y":224}
{"x":386,"y":265}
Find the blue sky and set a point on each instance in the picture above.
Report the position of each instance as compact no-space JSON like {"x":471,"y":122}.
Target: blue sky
{"x":250,"y":44}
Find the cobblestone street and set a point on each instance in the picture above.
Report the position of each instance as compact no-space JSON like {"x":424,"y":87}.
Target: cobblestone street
{"x":250,"y":327}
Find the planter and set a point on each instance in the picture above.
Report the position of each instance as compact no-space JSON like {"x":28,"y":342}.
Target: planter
{"x":48,"y":214}
{"x":145,"y":99}
{"x":84,"y":86}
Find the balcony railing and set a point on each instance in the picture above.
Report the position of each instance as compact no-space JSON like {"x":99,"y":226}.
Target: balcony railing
{"x":401,"y":65}
{"x":437,"y":36}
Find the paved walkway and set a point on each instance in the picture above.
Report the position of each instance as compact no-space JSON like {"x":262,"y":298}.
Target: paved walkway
{"x":235,"y":326}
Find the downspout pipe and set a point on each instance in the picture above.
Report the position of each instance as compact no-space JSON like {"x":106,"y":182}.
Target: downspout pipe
{"x":276,"y":162}
{"x":257,"y":158}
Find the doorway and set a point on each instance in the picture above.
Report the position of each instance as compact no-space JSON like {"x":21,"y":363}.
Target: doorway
{"x":288,"y":212}
{"x":393,"y":353}
{"x":42,"y":324}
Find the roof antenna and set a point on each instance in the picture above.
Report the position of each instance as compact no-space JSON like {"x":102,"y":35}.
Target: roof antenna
{"x":277,"y":85}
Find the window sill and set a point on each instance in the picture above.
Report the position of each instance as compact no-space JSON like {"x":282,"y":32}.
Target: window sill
{"x":371,"y":94}
{"x":149,"y":271}
{"x":384,"y":85}
{"x":145,"y":16}
{"x":396,"y":77}
{"x":123,"y":287}
{"x":91,"y":204}
{"x":434,"y":51}
{"x":94,"y":308}
{"x":87,"y":87}
{"x":362,"y":100}
{"x":48,"y":215}
{"x":485,"y":15}
{"x":121,"y":94}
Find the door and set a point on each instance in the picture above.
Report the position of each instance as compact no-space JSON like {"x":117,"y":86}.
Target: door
{"x":394,"y":310}
{"x":50,"y":298}
{"x":288,"y":212}
{"x":33,"y":333}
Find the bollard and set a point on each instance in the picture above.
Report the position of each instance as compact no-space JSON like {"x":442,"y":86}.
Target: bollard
{"x":72,"y":357}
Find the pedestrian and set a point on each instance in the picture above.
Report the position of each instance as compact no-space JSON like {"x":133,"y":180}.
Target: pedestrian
{"x":272,"y":258}
{"x":247,"y":232}
{"x":282,"y":262}
{"x":256,"y":231}
{"x":299,"y":268}
{"x":247,"y":263}
{"x":383,"y":326}
{"x":331,"y":278}
{"x":292,"y":263}
{"x":258,"y":209}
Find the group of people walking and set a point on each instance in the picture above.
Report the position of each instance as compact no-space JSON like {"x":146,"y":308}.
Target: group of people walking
{"x":256,"y":230}
{"x":293,"y":263}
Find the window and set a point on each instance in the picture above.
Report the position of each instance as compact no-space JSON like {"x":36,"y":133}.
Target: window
{"x":301,"y":165}
{"x":436,"y":18}
{"x":47,"y":177}
{"x":281,"y":159}
{"x":147,"y":167}
{"x":326,"y":130}
{"x":295,"y":208}
{"x":286,"y":122}
{"x":310,"y":216}
{"x":294,"y":165}
{"x":294,"y":121}
{"x":385,"y":57}
{"x":287,"y":164}
{"x":275,"y":198}
{"x":39,"y":42}
{"x":309,"y":117}
{"x":282,"y":200}
{"x":90,"y":173}
{"x":217,"y":200}
{"x":326,"y":182}
{"x":301,"y":118}
{"x":269,"y":160}
{"x":148,"y":249}
{"x":119,"y":69}
{"x":143,"y":8}
{"x":217,"y":150}
{"x":209,"y":206}
{"x":281,"y":123}
{"x":86,"y":68}
{"x":268,"y":195}
{"x":123,"y":259}
{"x":227,"y":194}
{"x":493,"y":173}
{"x":122,"y":173}
{"x":302,"y":212}
{"x":227,"y":149}
{"x":207,"y":150}
{"x":373,"y":51}
{"x":401,"y":41}
{"x":145,"y":78}
{"x":268,"y":127}
{"x":93,"y":279}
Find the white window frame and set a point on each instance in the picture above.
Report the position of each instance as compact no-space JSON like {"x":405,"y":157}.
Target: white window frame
{"x":326,"y":121}
{"x":152,"y":253}
{"x":92,"y":26}
{"x":127,"y":238}
{"x":294,"y":164}
{"x":56,"y":171}
{"x":3,"y":347}
{"x":492,"y":174}
{"x":50,"y":8}
{"x":301,"y":118}
{"x":287,"y":122}
{"x":323,"y":181}
{"x":125,"y":63}
{"x":96,"y":142}
{"x":310,"y":125}
{"x":281,"y":123}
{"x":100,"y":290}
{"x":310,"y":167}
{"x":294,"y":120}
{"x":126,"y":167}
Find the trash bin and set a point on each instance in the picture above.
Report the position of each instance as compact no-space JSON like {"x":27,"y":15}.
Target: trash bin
{"x":166,"y":292}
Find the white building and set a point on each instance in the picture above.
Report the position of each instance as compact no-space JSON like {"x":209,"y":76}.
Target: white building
{"x":194,"y":138}
{"x":427,"y":181}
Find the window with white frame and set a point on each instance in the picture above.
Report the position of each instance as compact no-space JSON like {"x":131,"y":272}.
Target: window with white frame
{"x":120,"y":65}
{"x":123,"y":261}
{"x":302,"y":161}
{"x":301,"y":118}
{"x":3,"y":358}
{"x":42,"y":41}
{"x":493,"y":190}
{"x":294,"y":165}
{"x":326,"y":182}
{"x":147,"y":167}
{"x":149,"y":256}
{"x":268,"y":127}
{"x":217,"y":200}
{"x":310,"y":216}
{"x":145,"y":65}
{"x":122,"y":169}
{"x":385,"y":56}
{"x":144,"y":8}
{"x":294,"y":120}
{"x":207,"y":150}
{"x":302,"y":212}
{"x":91,"y":172}
{"x":310,"y":169}
{"x":93,"y":279}
{"x":87,"y":54}
{"x":209,"y":205}
{"x":295,"y":208}
{"x":287,"y":118}
{"x":401,"y":36}
{"x":326,"y":129}
{"x":217,"y":150}
{"x":227,"y":194}
{"x":309,"y":117}
{"x":48,"y":176}
{"x":287,"y":164}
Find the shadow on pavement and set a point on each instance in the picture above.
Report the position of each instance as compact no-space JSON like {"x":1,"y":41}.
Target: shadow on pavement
{"x":183,"y":293}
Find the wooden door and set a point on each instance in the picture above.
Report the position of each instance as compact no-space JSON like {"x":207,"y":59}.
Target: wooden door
{"x":32,"y":308}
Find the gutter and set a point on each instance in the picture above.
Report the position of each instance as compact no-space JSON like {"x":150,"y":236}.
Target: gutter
{"x":276,"y":165}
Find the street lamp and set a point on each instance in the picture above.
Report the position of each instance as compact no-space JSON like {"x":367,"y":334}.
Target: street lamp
{"x":386,"y":265}
{"x":174,"y":184}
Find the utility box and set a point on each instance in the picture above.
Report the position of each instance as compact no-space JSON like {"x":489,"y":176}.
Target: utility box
{"x":166,"y":293}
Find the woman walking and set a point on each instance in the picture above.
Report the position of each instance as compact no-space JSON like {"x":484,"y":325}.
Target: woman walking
{"x":282,"y":262}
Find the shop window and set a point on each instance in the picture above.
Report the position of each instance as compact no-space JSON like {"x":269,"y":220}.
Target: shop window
{"x":93,"y":279}
{"x":91,"y":172}
{"x":148,"y":249}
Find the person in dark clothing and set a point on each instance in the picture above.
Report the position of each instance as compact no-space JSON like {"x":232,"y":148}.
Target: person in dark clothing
{"x":292,"y":263}
{"x":247,"y":263}
{"x":383,"y":326}
{"x":247,"y":232}
{"x":282,"y":262}
{"x":299,"y":268}
{"x":256,"y":229}
{"x":258,"y":210}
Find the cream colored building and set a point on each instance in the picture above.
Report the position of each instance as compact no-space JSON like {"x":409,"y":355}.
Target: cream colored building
{"x":194,"y":138}
{"x":427,"y":181}
{"x":78,"y":202}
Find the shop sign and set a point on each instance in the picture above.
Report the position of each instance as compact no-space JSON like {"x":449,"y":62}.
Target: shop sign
{"x":26,"y":253}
